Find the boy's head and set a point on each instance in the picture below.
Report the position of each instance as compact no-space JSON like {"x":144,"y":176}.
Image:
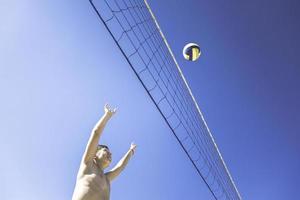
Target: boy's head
{"x":103,"y":155}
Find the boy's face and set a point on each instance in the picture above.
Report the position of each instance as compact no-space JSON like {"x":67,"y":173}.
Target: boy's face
{"x":103,"y":154}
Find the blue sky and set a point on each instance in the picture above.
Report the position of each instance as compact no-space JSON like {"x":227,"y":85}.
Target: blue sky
{"x":59,"y":66}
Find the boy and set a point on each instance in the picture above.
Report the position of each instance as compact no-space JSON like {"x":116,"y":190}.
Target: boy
{"x":92,"y":183}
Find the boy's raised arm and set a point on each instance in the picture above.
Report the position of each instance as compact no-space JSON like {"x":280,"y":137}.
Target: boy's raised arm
{"x":92,"y":144}
{"x":121,"y":164}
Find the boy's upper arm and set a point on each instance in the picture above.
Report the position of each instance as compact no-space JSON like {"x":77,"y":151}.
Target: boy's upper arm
{"x":91,"y":148}
{"x":83,"y":169}
{"x":112,"y":174}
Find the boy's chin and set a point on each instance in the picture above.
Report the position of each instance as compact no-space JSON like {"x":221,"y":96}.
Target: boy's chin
{"x":106,"y":166}
{"x":107,"y":163}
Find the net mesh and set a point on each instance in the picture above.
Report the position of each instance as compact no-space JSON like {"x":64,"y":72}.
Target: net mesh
{"x":134,"y":29}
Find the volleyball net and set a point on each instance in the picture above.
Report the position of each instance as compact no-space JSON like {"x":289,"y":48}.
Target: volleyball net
{"x":136,"y":32}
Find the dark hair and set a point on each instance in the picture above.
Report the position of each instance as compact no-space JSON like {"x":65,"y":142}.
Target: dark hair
{"x":100,"y":146}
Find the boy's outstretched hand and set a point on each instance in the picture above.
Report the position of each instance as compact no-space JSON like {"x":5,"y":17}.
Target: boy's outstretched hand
{"x":109,"y":112}
{"x":132,"y":147}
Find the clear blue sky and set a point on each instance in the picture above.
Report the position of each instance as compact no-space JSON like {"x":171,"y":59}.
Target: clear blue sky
{"x":59,"y":66}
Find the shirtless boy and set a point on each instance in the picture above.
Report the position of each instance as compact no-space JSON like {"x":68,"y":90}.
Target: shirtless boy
{"x":92,"y":182}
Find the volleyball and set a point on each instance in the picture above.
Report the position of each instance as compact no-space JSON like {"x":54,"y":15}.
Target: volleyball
{"x":191,"y":51}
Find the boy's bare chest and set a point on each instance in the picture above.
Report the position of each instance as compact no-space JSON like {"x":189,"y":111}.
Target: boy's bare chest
{"x":95,"y":179}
